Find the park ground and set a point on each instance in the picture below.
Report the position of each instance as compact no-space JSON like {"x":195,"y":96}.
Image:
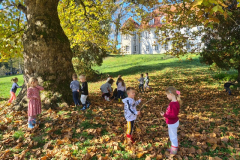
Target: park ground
{"x":209,"y":118}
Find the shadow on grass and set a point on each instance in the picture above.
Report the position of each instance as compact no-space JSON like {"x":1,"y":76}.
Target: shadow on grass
{"x":158,"y":67}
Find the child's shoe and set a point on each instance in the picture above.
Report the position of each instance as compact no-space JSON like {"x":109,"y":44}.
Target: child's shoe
{"x":107,"y":98}
{"x":129,"y":137}
{"x":30,"y":124}
{"x":173,"y":150}
{"x":119,"y":100}
{"x":88,"y":104}
{"x":84,"y":108}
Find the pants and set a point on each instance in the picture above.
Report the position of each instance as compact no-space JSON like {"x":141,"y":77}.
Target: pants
{"x":172,"y":131}
{"x":106,"y":94}
{"x":146,"y":85}
{"x":228,"y":90}
{"x":120,"y":94}
{"x":130,"y":125}
{"x":13,"y":97}
{"x":76,"y":97}
{"x":84,"y":99}
{"x":140,"y":87}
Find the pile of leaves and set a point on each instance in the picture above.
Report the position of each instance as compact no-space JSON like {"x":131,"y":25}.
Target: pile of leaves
{"x":209,"y":125}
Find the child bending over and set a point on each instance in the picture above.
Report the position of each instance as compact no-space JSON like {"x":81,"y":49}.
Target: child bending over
{"x":106,"y":89}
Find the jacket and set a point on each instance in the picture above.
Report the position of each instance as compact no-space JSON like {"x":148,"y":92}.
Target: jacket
{"x":130,"y":109}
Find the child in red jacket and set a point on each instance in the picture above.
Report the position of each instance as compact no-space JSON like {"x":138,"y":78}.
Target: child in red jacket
{"x":171,"y":117}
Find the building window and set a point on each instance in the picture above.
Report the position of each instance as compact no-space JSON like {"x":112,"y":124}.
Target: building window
{"x":155,"y":35}
{"x":146,"y":34}
{"x":127,"y":48}
{"x":163,"y":19}
{"x":134,"y":35}
{"x":156,"y":48}
{"x":166,"y":47}
{"x":126,"y":36}
{"x":135,"y":48}
{"x":147,"y":48}
{"x":151,"y":22}
{"x":188,"y":45}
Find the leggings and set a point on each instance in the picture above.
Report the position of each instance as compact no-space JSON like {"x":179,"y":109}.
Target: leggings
{"x":130,"y":125}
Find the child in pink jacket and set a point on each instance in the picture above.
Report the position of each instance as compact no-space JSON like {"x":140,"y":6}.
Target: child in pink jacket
{"x":171,"y":117}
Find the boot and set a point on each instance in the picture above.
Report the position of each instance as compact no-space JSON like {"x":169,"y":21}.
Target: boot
{"x":119,"y":100}
{"x":88,"y":104}
{"x":84,"y":107}
{"x":173,"y":150}
{"x":130,"y":138}
{"x":30,"y":124}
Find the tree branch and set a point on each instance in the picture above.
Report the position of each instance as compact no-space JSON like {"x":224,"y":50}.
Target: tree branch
{"x":84,"y":7}
{"x":20,"y":7}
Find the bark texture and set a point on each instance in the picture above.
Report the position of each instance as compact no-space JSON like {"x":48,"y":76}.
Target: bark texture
{"x":47,"y":54}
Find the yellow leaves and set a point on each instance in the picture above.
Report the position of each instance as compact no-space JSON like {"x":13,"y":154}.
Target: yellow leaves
{"x":140,"y":154}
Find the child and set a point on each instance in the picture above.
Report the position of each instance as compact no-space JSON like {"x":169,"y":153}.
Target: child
{"x":119,"y":76}
{"x":227,"y":87}
{"x":109,"y":77}
{"x":115,"y":94}
{"x":74,"y":85}
{"x":146,"y":79}
{"x":121,"y":89}
{"x":13,"y":90}
{"x":106,"y":89}
{"x":34,"y":104}
{"x":130,"y":111}
{"x":141,"y":81}
{"x":171,"y":117}
{"x":84,"y":92}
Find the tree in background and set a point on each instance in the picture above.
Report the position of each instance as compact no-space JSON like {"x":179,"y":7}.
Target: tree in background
{"x":222,"y":43}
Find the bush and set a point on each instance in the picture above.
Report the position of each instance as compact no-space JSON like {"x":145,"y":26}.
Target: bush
{"x":225,"y":76}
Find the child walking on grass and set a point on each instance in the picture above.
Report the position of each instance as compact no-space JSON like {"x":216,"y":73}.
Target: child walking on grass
{"x":84,"y":92}
{"x":171,"y":117}
{"x":130,"y":111}
{"x":121,"y":89}
{"x":106,"y":89}
{"x":13,"y":90}
{"x":34,"y":104}
{"x":74,"y":85}
{"x":141,"y":81}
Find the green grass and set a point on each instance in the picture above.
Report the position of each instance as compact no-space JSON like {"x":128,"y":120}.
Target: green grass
{"x":133,"y":64}
{"x":6,"y":84}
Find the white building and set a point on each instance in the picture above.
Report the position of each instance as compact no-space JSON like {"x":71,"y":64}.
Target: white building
{"x":146,"y":41}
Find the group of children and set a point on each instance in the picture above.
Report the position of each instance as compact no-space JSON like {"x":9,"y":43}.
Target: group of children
{"x":126,"y":94}
{"x":120,"y":92}
{"x":83,"y":89}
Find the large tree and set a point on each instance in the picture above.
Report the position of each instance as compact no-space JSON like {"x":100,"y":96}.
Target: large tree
{"x":222,"y":43}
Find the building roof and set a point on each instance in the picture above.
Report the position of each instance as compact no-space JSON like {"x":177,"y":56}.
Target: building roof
{"x":130,"y":23}
{"x":157,"y":15}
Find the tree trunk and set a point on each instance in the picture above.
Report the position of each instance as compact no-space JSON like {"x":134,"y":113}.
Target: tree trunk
{"x":47,"y":54}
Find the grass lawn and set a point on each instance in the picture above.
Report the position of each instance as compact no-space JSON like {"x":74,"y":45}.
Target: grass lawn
{"x":6,"y":85}
{"x":209,"y":118}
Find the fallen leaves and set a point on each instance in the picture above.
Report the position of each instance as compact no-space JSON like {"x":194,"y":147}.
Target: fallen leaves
{"x":207,"y":125}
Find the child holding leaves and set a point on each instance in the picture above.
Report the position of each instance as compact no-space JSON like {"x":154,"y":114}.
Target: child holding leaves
{"x":13,"y":90}
{"x":34,"y":104}
{"x":171,"y":117}
{"x":130,"y":111}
